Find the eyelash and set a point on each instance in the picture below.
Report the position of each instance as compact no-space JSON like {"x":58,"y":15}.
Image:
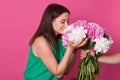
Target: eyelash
{"x":64,"y":22}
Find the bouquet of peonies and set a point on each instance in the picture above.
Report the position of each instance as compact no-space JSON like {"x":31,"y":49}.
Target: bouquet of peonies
{"x":99,"y":40}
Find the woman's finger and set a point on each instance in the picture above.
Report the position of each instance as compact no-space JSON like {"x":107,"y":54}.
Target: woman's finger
{"x":84,"y":42}
{"x":80,"y":41}
{"x":82,"y":55}
{"x":92,"y":53}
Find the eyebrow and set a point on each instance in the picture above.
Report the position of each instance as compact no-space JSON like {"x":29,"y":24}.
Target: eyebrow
{"x":65,"y":19}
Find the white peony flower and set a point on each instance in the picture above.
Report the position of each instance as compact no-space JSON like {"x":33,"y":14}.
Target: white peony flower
{"x":77,"y":33}
{"x":69,"y":28}
{"x":102,"y":45}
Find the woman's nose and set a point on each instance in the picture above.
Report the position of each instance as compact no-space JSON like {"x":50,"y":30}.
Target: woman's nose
{"x":66,"y":24}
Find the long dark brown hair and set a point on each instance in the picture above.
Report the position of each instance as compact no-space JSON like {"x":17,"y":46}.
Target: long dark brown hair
{"x":46,"y":28}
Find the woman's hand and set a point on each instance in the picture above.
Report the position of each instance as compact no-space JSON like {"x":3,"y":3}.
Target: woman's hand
{"x":78,"y":44}
{"x":85,"y":52}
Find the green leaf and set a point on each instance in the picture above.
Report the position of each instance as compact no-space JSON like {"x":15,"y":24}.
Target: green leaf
{"x":87,"y":58}
{"x":88,"y":68}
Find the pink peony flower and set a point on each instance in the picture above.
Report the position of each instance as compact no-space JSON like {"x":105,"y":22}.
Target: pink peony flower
{"x":95,"y":31}
{"x":82,"y":23}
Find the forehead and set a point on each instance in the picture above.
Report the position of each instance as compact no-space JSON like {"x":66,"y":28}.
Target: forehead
{"x":64,"y":16}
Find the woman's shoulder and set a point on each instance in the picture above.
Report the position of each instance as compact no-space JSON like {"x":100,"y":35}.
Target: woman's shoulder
{"x":40,"y":40}
{"x":39,"y":43}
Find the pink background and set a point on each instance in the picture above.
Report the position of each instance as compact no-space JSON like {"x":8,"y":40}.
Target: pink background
{"x":19,"y":19}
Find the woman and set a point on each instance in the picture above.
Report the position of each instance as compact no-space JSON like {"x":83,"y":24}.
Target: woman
{"x":48,"y":59}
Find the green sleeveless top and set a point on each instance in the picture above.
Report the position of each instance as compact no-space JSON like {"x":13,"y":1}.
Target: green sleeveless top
{"x":36,"y":70}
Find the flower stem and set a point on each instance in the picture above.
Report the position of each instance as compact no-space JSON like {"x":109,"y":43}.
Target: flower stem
{"x":88,"y":68}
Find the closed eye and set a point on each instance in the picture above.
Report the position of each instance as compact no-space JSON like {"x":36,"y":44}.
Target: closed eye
{"x":63,"y":22}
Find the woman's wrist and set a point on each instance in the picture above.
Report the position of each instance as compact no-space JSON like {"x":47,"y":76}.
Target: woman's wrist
{"x":70,"y":49}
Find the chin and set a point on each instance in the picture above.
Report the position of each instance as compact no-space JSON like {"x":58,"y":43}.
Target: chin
{"x":61,"y":33}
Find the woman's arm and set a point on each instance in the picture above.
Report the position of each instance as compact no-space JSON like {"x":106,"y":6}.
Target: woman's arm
{"x":44,"y":51}
{"x":110,"y":58}
{"x":71,"y":63}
